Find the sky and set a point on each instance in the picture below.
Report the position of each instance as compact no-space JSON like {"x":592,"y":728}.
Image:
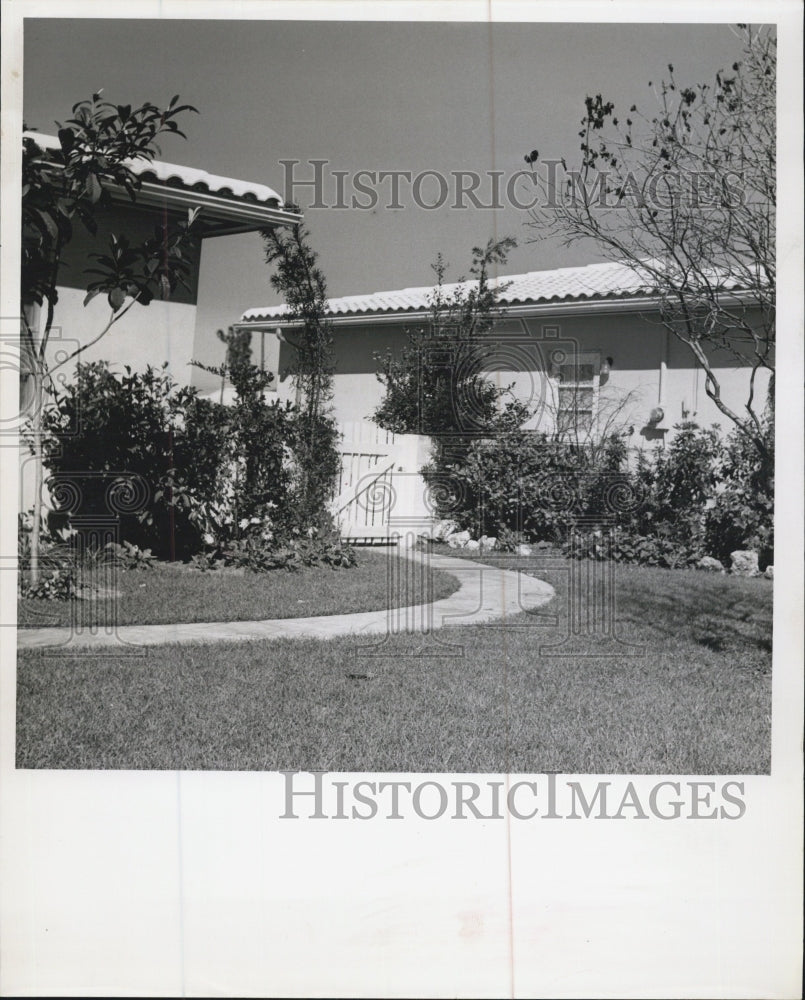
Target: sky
{"x":363,"y":96}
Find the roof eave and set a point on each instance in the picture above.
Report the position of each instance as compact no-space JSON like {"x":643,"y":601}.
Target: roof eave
{"x":521,"y":310}
{"x":226,"y":216}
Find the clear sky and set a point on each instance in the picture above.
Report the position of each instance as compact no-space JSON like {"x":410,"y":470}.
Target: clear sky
{"x":366,"y":95}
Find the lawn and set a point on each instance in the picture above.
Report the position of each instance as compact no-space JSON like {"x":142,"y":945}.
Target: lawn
{"x":176,"y":594}
{"x":697,"y":701}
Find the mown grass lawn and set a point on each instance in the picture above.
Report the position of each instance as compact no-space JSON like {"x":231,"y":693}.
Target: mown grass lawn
{"x":170,"y":594}
{"x":698,"y":701}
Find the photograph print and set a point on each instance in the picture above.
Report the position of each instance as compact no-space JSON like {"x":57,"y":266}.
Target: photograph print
{"x":412,"y":412}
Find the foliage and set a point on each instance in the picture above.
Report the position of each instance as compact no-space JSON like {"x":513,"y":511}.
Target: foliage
{"x":104,"y":430}
{"x":242,"y":486}
{"x":299,"y":278}
{"x":675,"y":485}
{"x":254,"y":495}
{"x":435,"y":386}
{"x":703,"y":495}
{"x":740,"y":514}
{"x":131,"y":557}
{"x":524,"y":486}
{"x":96,"y":147}
{"x":224,"y":479}
{"x":686,"y":195}
{"x":238,"y":347}
{"x":297,"y":551}
{"x":59,"y":577}
{"x":623,"y":545}
{"x":316,"y":463}
{"x":56,"y":583}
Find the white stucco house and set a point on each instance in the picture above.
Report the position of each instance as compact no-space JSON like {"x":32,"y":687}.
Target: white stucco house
{"x":580,"y":345}
{"x":165,"y":331}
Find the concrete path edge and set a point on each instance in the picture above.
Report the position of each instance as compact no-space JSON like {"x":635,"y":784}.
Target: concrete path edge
{"x":485,"y":594}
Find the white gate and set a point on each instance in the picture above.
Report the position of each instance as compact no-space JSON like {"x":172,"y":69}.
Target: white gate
{"x":380,"y":492}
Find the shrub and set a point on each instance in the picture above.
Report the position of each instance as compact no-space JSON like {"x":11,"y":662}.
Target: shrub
{"x":740,"y":514}
{"x":676,"y":483}
{"x":525,"y":486}
{"x":104,"y":428}
{"x":58,"y":565}
{"x":130,"y":557}
{"x":437,"y":386}
{"x":623,"y":545}
{"x":703,"y":495}
{"x":260,"y":556}
{"x":243,"y":488}
{"x":251,"y":479}
{"x":316,"y":464}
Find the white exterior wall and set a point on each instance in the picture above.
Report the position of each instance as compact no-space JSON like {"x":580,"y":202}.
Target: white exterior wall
{"x":649,"y":367}
{"x":153,"y":334}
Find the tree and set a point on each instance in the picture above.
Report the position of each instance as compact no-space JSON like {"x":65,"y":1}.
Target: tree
{"x":436,"y":385}
{"x":73,"y":183}
{"x":299,"y":278}
{"x":687,"y":196}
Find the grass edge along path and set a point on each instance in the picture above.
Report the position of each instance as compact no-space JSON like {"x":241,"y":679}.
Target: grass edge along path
{"x":169,"y":594}
{"x":485,"y":594}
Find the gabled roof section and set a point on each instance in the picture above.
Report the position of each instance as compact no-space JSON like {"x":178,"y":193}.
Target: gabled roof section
{"x":592,"y":285}
{"x":227,"y":204}
{"x":591,"y":282}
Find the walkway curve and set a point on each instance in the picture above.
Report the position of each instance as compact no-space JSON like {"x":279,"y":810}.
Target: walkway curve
{"x":486,"y":594}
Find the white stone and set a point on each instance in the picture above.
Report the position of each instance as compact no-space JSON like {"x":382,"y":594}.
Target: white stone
{"x":523,"y":550}
{"x":472,"y":545}
{"x":488,"y":542}
{"x":443,"y":529}
{"x":769,"y":573}
{"x":458,"y":540}
{"x":710,"y":564}
{"x":743,"y":562}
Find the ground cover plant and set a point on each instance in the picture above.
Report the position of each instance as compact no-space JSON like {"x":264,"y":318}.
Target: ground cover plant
{"x":168,"y":593}
{"x":697,"y":702}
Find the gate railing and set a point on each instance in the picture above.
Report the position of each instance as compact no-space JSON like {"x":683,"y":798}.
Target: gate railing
{"x":379,"y":481}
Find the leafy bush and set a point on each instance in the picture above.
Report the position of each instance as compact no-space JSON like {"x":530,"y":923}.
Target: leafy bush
{"x":209,"y":475}
{"x":703,"y":495}
{"x":131,"y":557}
{"x":316,"y":463}
{"x":56,"y":583}
{"x":623,"y":545}
{"x":260,"y":556}
{"x":523,"y":486}
{"x":243,"y":489}
{"x":105,"y":430}
{"x":676,"y":483}
{"x":59,"y":570}
{"x":436,"y":385}
{"x":740,"y":514}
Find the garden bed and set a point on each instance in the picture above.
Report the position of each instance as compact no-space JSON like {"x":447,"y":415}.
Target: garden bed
{"x":171,"y":594}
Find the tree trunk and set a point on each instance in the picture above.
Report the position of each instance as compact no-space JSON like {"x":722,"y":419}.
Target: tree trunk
{"x":36,"y":431}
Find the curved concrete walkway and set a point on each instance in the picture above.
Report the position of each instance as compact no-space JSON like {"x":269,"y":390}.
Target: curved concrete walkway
{"x":486,"y":593}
